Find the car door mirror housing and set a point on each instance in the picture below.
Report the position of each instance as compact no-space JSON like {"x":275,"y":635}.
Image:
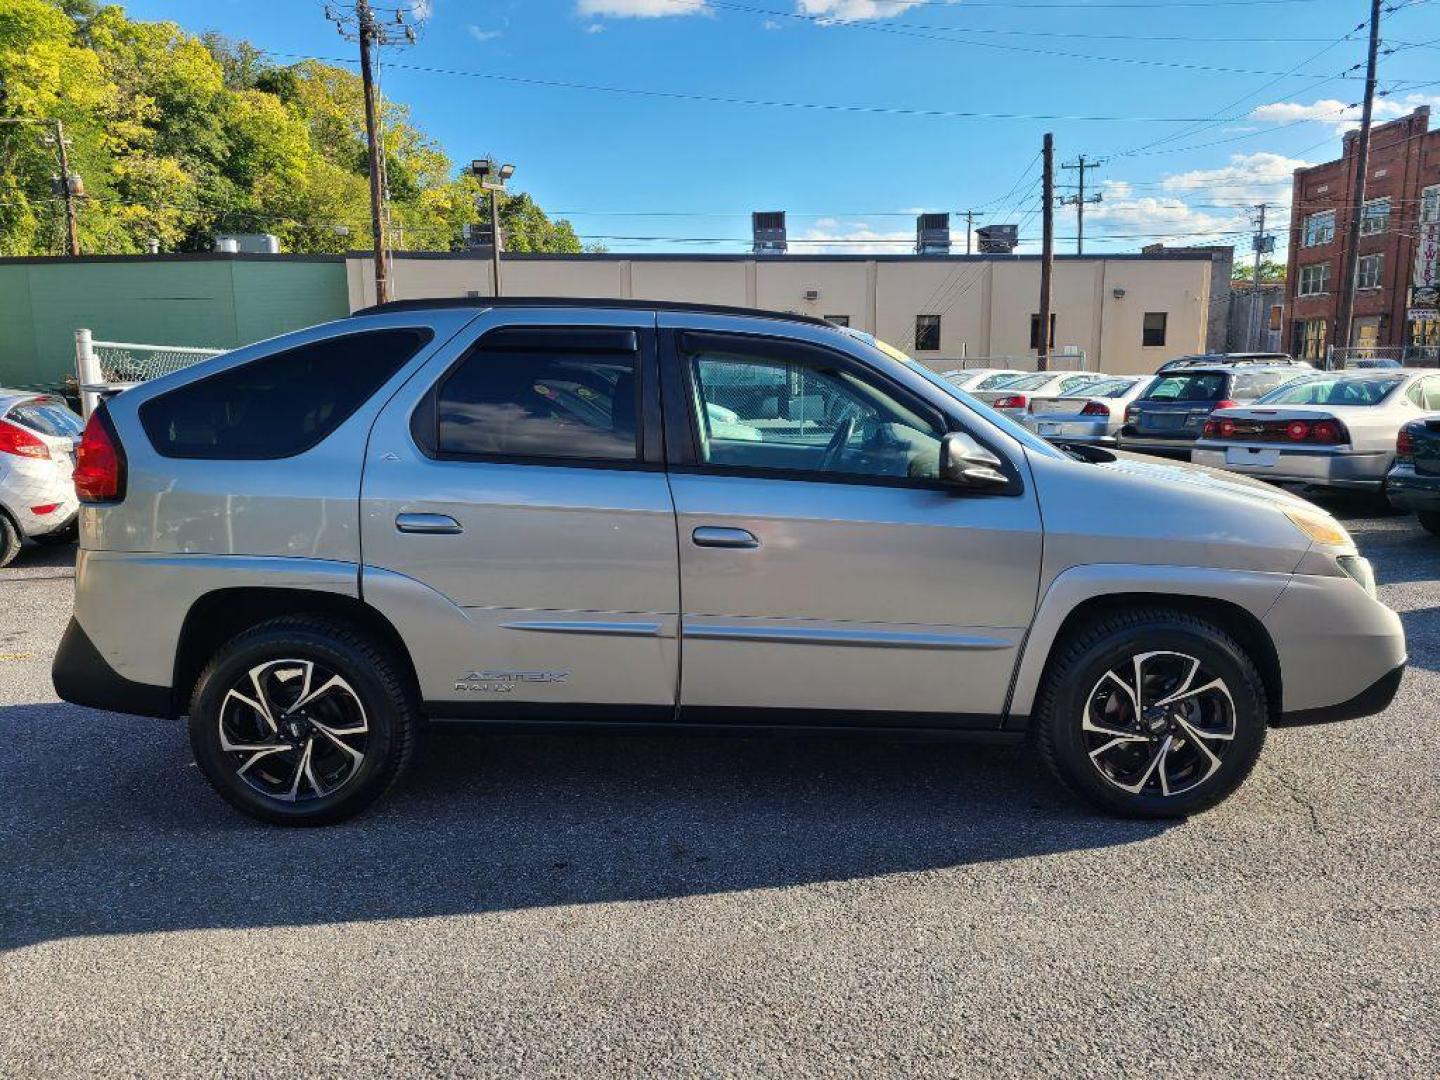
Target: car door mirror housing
{"x":965,"y":463}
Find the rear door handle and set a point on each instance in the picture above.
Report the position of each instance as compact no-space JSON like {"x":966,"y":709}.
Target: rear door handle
{"x":427,"y":523}
{"x":716,"y":537}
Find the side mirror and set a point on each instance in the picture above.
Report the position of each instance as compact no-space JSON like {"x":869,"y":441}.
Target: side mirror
{"x":965,"y":463}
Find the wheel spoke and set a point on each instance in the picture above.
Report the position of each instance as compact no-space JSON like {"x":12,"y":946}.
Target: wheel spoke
{"x":301,"y":768}
{"x":1155,"y":759}
{"x":335,"y":682}
{"x":1121,"y":739}
{"x":1197,"y":740}
{"x":333,"y":734}
{"x":1130,"y":691}
{"x":1213,"y":686}
{"x":260,"y":753}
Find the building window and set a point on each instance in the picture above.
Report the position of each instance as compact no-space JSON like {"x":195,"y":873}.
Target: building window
{"x":1319,"y":229}
{"x":1369,"y":271}
{"x":838,"y":320}
{"x":1035,"y":332}
{"x":927,"y":333}
{"x":1309,"y":339}
{"x":1375,"y":217}
{"x":1276,"y":312}
{"x":1314,"y":280}
{"x":1430,"y":204}
{"x":1154,"y":329}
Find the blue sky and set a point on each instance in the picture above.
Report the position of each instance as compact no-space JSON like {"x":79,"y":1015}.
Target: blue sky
{"x":1253,"y":80}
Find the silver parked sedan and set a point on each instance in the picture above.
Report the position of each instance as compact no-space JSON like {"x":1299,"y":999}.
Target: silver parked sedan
{"x":981,"y":378}
{"x":1093,"y":414}
{"x":1336,"y":429}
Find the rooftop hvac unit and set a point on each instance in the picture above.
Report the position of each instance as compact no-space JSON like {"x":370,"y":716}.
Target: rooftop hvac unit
{"x":932,"y":234}
{"x":768,"y":229}
{"x":248,"y":243}
{"x":476,"y":236}
{"x":997,"y":239}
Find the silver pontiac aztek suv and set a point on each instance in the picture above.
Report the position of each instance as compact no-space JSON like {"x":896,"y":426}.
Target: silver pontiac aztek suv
{"x":611,"y":513}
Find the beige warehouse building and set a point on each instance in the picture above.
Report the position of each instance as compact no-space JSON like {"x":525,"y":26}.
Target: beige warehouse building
{"x":1125,"y":313}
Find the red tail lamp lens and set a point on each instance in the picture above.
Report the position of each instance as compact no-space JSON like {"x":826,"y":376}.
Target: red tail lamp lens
{"x":1013,"y":401}
{"x":1095,"y":408}
{"x":1405,"y":444}
{"x":1227,"y":429}
{"x":1298,"y":430}
{"x":99,"y":462}
{"x":1326,"y":431}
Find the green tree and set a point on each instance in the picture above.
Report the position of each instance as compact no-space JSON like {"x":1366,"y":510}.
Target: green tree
{"x":179,"y":136}
{"x":1271,"y":272}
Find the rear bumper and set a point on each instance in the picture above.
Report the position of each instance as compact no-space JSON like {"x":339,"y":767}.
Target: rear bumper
{"x":1408,"y":490}
{"x":1070,"y":430}
{"x":1174,"y":448}
{"x":83,"y":677}
{"x":1297,"y":465}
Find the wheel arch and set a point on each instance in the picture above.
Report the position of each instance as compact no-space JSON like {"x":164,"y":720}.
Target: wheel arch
{"x":1235,"y":601}
{"x":217,"y":616}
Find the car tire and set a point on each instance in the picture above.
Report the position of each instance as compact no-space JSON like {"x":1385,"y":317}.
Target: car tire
{"x":1429,"y":520}
{"x":1195,"y":735}
{"x":9,"y":540}
{"x":302,"y":721}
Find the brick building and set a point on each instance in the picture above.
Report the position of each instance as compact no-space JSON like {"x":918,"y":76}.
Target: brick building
{"x":1399,"y":248}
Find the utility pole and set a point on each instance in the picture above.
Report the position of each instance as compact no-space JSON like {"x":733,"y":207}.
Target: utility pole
{"x":68,"y":185}
{"x":1263,"y":246}
{"x":69,"y":188}
{"x":360,"y":25}
{"x":1079,"y":200}
{"x":969,"y":228}
{"x":1047,"y":254}
{"x":1343,"y":327}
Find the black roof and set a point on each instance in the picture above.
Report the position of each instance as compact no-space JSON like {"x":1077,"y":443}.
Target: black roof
{"x":477,"y":302}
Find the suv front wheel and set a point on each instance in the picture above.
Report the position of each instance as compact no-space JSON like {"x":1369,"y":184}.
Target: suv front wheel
{"x":1152,"y":713}
{"x":300,"y":721}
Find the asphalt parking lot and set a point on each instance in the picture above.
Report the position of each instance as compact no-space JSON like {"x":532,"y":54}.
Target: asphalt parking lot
{"x":580,"y":906}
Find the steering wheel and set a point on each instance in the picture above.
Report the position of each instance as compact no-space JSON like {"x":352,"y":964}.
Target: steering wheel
{"x":837,"y":443}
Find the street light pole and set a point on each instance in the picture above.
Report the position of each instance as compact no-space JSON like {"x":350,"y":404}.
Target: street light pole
{"x":492,"y":180}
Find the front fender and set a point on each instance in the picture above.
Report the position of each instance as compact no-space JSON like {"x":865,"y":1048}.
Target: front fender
{"x":1254,"y":590}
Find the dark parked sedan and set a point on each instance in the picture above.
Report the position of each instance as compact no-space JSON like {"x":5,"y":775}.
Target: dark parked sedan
{"x":1413,"y":482}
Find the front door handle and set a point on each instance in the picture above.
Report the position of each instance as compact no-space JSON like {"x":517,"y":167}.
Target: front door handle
{"x":714,"y":536}
{"x":427,"y":523}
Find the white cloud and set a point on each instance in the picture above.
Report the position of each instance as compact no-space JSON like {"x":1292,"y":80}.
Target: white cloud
{"x":771,"y":24}
{"x":1255,"y":177}
{"x":825,"y":236}
{"x":1343,"y":116}
{"x":595,"y":28}
{"x":484,"y":35}
{"x":639,"y":9}
{"x":854,"y":10}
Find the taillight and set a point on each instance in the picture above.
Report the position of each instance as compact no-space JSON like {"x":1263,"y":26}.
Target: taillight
{"x":1227,"y":429}
{"x":1225,"y":404}
{"x":1011,"y":401}
{"x":99,"y":461}
{"x":16,"y":440}
{"x":1095,"y":408}
{"x":1405,"y":445}
{"x":1329,"y":431}
{"x":1297,"y":430}
{"x":1210,"y":430}
{"x":1132,"y":412}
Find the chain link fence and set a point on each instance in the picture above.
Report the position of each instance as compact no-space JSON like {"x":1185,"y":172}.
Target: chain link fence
{"x":104,"y":368}
{"x":1379,"y":356}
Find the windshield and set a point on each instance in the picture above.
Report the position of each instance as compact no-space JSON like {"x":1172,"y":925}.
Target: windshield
{"x":1197,"y":386}
{"x":995,"y":382}
{"x":1024,"y":382}
{"x":1334,"y":390}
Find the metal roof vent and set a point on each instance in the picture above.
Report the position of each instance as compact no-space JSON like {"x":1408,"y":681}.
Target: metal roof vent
{"x":997,"y":239}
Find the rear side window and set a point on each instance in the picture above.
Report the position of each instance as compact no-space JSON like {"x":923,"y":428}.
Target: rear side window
{"x":531,"y":393}
{"x":279,"y":405}
{"x":1251,"y":386}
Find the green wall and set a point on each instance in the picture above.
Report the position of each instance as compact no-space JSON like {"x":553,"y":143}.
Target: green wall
{"x":218,"y":301}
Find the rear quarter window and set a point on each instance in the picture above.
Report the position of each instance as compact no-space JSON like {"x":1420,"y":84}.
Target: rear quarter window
{"x":1250,"y":386}
{"x":279,"y":405}
{"x":1197,"y":386}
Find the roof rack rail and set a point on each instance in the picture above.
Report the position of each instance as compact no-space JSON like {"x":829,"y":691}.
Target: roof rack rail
{"x":443,"y":302}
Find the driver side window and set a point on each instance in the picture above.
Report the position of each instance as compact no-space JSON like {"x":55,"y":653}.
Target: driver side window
{"x":804,"y":415}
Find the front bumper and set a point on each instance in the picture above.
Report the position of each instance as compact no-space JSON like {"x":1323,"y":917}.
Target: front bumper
{"x":1321,"y":466}
{"x":1337,"y":647}
{"x":1408,"y":490}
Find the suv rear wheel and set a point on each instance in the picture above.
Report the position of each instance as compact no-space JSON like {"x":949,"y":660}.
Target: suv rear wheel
{"x":302,"y":721}
{"x":1153,"y":713}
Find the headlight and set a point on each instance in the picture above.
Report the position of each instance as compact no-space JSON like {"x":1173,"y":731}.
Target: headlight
{"x":1321,"y":528}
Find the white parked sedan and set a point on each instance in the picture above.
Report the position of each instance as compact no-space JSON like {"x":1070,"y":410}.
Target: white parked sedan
{"x":1012,"y":395}
{"x":38,"y":434}
{"x":1335,"y":429}
{"x":973,"y":378}
{"x":1093,"y":414}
